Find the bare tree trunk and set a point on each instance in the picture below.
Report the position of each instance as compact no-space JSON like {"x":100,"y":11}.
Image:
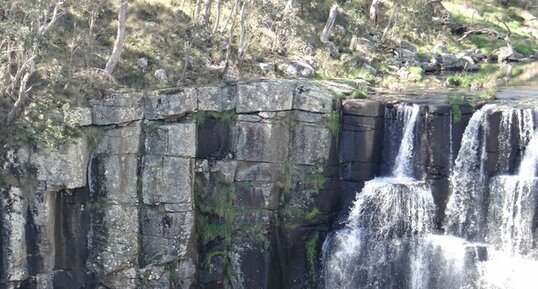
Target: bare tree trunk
{"x":233,"y":15}
{"x":197,"y":9}
{"x":327,"y":30}
{"x":242,"y":33}
{"x":93,"y":14}
{"x":390,"y":23}
{"x":217,"y":18}
{"x":374,"y":13}
{"x":28,"y":69}
{"x":120,"y":37}
{"x":186,"y":62}
{"x":207,"y":13}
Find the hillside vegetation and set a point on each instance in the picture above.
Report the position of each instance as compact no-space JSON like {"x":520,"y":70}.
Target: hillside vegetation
{"x":54,"y":52}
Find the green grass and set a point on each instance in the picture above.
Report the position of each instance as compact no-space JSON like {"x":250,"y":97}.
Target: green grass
{"x":300,"y":213}
{"x":456,"y":102}
{"x":423,"y":53}
{"x":332,"y":121}
{"x":363,"y":74}
{"x":360,"y":93}
{"x":485,"y":78}
{"x":415,"y":70}
{"x":524,"y":47}
{"x":311,"y":255}
{"x":317,"y":179}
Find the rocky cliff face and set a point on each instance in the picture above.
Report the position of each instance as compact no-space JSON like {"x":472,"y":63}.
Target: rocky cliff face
{"x":231,"y":186}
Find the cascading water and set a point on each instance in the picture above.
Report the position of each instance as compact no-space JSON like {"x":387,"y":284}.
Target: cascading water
{"x":493,"y":246}
{"x":373,"y":249}
{"x":491,"y":222}
{"x":465,"y":213}
{"x":513,"y":197}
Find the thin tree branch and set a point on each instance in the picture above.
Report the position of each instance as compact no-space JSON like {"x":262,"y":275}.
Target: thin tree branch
{"x":23,"y":94}
{"x":56,"y":13}
{"x":390,"y":22}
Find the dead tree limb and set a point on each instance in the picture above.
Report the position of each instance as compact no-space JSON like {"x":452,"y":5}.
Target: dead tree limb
{"x":217,"y":17}
{"x":207,"y":12}
{"x":329,"y":25}
{"x":478,"y":31}
{"x":233,"y":15}
{"x":374,"y":13}
{"x":56,"y":13}
{"x":23,"y":92}
{"x":242,"y":32}
{"x":120,"y":37}
{"x":390,"y":23}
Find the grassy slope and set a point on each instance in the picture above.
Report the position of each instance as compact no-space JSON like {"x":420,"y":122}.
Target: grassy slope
{"x":159,"y":30}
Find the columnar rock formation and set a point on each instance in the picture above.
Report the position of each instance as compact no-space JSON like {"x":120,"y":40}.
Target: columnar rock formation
{"x":203,"y":187}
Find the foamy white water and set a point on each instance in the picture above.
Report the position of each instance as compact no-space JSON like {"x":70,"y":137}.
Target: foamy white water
{"x":383,"y":225}
{"x":465,"y":213}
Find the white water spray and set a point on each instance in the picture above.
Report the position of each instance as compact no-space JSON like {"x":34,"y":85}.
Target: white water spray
{"x":370,"y":252}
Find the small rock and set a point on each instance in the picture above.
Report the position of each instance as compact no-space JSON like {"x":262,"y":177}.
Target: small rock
{"x":333,"y":50}
{"x":309,"y":49}
{"x":267,"y":67}
{"x":362,"y":45}
{"x":468,"y":59}
{"x":407,"y":45}
{"x":142,"y":63}
{"x":406,"y":56}
{"x":161,"y":76}
{"x":202,"y":166}
{"x":440,"y":48}
{"x":296,"y":69}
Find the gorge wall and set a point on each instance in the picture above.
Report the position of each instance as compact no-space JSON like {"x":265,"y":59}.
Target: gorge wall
{"x":231,"y":186}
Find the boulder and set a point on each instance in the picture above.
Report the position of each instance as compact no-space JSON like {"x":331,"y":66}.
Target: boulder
{"x":165,"y":235}
{"x":265,"y":96}
{"x":14,"y":257}
{"x":296,"y":69}
{"x":65,"y":167}
{"x":171,"y":104}
{"x":216,"y":98}
{"x":118,"y":109}
{"x":363,"y":107}
{"x":310,"y":97}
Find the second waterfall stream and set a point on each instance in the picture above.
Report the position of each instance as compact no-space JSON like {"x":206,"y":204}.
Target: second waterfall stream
{"x":386,"y":220}
{"x":486,"y":240}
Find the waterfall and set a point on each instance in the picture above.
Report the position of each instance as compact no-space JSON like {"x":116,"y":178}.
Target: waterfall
{"x":389,"y":239}
{"x":512,"y":259}
{"x":527,"y":168}
{"x":514,"y":198}
{"x":487,"y":247}
{"x":373,"y":249}
{"x":465,"y":209}
{"x":403,"y":163}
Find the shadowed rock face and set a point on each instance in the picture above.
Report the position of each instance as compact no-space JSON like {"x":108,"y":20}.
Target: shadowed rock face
{"x":203,"y":187}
